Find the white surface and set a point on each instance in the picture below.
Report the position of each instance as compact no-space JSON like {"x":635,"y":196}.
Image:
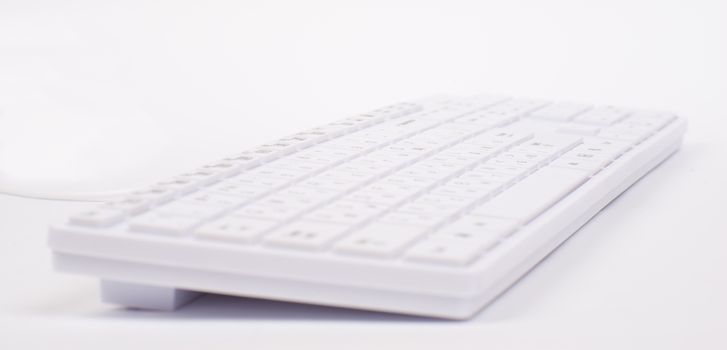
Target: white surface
{"x":649,"y":271}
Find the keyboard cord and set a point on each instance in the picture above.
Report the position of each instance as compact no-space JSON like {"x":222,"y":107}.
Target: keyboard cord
{"x":100,"y":196}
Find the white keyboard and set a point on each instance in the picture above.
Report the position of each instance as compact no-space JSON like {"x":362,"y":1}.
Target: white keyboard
{"x":432,"y":207}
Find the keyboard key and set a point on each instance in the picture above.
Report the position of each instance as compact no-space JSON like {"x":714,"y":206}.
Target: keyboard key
{"x":212,"y":199}
{"x":484,"y":175}
{"x":277,"y":213}
{"x":481,"y":191}
{"x":306,"y":235}
{"x":589,"y":166}
{"x":130,"y":204}
{"x":550,"y":144}
{"x":321,"y":155}
{"x":164,"y":223}
{"x":575,"y":129}
{"x":385,"y":194}
{"x":613,"y":147}
{"x":235,"y":229}
{"x":309,"y":193}
{"x":425,"y":206}
{"x":650,"y":120}
{"x":536,"y":193}
{"x":245,"y":160}
{"x":263,"y":181}
{"x":351,"y":213}
{"x":500,"y":138}
{"x":155,"y":194}
{"x":237,"y":190}
{"x":476,"y":223}
{"x":477,"y":231}
{"x":631,"y":135}
{"x":98,"y":217}
{"x":202,"y":176}
{"x":443,"y":251}
{"x":181,"y":184}
{"x":416,"y":219}
{"x":274,"y":170}
{"x":596,"y":156}
{"x":519,"y":160}
{"x":182,"y":208}
{"x":379,"y":240}
{"x":224,"y":168}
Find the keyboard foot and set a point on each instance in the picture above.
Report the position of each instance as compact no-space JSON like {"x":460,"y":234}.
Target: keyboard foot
{"x":140,"y":296}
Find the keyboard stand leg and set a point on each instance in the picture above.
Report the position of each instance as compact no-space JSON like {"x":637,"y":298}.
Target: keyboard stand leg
{"x":140,"y":296}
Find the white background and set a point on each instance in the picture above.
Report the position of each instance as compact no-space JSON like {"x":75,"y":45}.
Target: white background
{"x":105,"y":96}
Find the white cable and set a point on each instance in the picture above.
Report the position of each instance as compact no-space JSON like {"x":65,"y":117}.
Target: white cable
{"x":101,"y":196}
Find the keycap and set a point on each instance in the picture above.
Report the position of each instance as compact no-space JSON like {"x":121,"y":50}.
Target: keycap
{"x":260,"y":180}
{"x":416,"y":219}
{"x":98,"y":217}
{"x":189,"y":209}
{"x":508,"y":172}
{"x":381,"y":193}
{"x":245,"y":160}
{"x":485,"y":174}
{"x":480,"y":232}
{"x":132,"y":204}
{"x":212,"y":199}
{"x":305,"y":235}
{"x":426,"y":205}
{"x":528,"y":198}
{"x":308,"y":193}
{"x":351,"y":213}
{"x":549,"y":144}
{"x":321,"y":155}
{"x":267,"y":211}
{"x":181,"y":184}
{"x":274,"y":171}
{"x":476,"y":182}
{"x":598,"y":156}
{"x":235,"y":229}
{"x":575,"y":129}
{"x":478,"y":223}
{"x":238,"y":190}
{"x":164,"y":223}
{"x":614,"y":147}
{"x":202,"y":177}
{"x":339,"y":181}
{"x":501,"y":138}
{"x":633,"y":136}
{"x":380,"y":239}
{"x":155,"y":194}
{"x":481,"y":191}
{"x":589,"y":166}
{"x":443,"y":251}
{"x":224,"y":168}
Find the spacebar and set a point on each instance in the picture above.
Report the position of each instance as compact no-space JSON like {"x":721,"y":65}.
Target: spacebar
{"x":528,"y":198}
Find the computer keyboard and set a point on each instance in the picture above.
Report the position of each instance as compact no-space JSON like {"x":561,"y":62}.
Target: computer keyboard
{"x":431,"y":207}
